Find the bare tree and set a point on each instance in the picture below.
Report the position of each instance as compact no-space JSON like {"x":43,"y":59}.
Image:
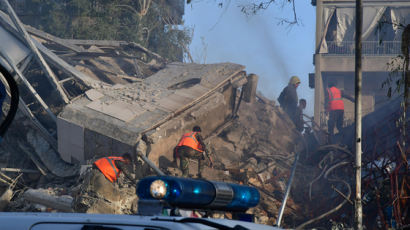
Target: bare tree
{"x":256,"y":7}
{"x":260,"y":5}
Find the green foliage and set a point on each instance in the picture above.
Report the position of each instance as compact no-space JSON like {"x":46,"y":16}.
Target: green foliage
{"x":110,"y":20}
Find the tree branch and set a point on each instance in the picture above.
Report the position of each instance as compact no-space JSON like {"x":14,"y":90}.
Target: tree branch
{"x":254,"y":8}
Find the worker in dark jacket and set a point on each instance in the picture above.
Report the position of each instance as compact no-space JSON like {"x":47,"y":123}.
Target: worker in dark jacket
{"x":288,"y":98}
{"x":191,"y":146}
{"x":335,"y":107}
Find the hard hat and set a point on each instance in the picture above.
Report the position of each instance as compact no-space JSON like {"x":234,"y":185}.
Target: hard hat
{"x":294,"y":80}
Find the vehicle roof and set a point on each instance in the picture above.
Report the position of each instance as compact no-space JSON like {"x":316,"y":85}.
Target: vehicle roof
{"x":17,"y":220}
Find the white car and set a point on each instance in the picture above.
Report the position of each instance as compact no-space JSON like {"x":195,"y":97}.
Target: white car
{"x":81,"y":221}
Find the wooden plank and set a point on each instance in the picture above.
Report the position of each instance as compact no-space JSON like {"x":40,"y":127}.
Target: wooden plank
{"x":65,"y":80}
{"x":116,"y":44}
{"x":6,"y":24}
{"x":47,"y":70}
{"x":95,"y":42}
{"x":30,"y":87}
{"x":49,"y":37}
{"x":64,"y":66}
{"x":50,"y":56}
{"x":19,"y":170}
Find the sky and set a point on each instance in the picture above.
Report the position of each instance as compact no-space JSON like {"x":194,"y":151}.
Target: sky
{"x":272,"y":51}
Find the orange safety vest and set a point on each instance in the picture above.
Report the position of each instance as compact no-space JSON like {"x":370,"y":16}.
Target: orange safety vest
{"x":189,"y":139}
{"x":335,"y":99}
{"x":107,"y":166}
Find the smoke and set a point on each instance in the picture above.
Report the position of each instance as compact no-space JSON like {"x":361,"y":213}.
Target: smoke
{"x":256,"y":42}
{"x":273,"y":52}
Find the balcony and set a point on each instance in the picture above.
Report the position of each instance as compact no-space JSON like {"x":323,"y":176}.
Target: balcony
{"x":369,"y":48}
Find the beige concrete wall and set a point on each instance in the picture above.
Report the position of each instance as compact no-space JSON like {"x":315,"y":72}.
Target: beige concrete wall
{"x":209,"y":114}
{"x":98,"y":145}
{"x":346,"y":64}
{"x":72,"y":148}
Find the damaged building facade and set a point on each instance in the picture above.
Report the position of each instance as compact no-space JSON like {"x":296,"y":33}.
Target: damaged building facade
{"x":97,"y":100}
{"x":334,"y":55}
{"x":111,"y":119}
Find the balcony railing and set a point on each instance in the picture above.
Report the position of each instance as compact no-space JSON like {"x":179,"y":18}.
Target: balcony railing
{"x":369,"y":48}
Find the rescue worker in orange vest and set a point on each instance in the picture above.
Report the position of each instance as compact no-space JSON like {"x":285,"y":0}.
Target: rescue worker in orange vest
{"x":335,"y":107}
{"x":191,"y":146}
{"x":111,"y":167}
{"x":99,"y":183}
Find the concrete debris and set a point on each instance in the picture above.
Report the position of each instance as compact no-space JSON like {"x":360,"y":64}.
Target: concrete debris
{"x":5,"y":199}
{"x":47,"y":198}
{"x":142,"y":105}
{"x":95,"y":194}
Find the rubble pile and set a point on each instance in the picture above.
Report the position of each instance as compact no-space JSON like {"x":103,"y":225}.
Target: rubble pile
{"x":254,"y":145}
{"x":258,"y":149}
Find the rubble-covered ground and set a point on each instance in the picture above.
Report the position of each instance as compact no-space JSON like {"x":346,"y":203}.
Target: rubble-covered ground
{"x":257,"y":148}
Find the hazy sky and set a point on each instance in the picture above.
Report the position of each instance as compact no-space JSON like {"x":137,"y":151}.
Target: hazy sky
{"x":274,"y":52}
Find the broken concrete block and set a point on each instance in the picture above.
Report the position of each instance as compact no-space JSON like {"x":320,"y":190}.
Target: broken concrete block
{"x":5,"y":198}
{"x":46,"y":198}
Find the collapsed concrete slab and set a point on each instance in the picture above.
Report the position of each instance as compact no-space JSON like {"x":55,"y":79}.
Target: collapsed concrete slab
{"x":110,"y":119}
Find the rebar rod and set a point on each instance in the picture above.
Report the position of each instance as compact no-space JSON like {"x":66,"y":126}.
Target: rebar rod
{"x":285,"y":198}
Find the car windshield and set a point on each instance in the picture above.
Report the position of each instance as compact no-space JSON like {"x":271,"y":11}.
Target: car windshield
{"x":283,"y":113}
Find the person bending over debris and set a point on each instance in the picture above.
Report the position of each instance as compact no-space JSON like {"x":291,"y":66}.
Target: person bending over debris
{"x":191,"y":146}
{"x":111,"y":167}
{"x":99,"y":184}
{"x":288,"y":98}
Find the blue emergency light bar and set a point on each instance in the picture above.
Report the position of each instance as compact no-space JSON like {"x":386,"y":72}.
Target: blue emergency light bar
{"x":198,"y":194}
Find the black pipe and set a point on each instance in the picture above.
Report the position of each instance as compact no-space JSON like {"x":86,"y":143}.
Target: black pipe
{"x":14,"y":101}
